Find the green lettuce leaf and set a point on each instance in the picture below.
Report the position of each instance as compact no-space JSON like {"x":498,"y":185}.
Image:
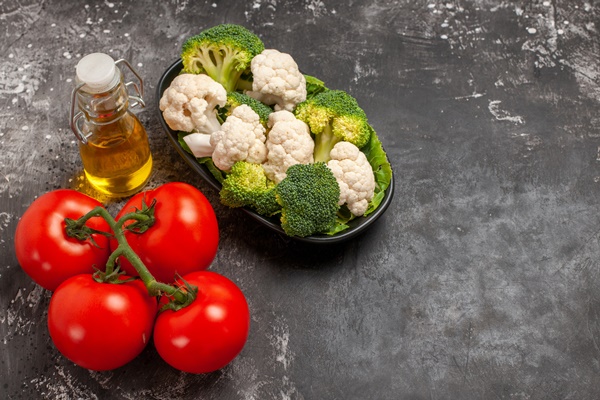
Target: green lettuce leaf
{"x":381,"y":168}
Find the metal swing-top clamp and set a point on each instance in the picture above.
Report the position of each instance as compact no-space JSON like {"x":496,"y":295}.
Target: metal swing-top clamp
{"x":99,"y":73}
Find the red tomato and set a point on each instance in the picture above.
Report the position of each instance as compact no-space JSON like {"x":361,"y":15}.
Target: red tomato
{"x":184,"y":238}
{"x":210,"y":332}
{"x":100,"y":326}
{"x":43,"y":248}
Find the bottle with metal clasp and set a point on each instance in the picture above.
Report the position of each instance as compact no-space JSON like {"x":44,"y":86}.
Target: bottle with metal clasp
{"x":113,"y":144}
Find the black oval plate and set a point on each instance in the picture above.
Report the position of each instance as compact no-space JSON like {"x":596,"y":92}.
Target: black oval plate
{"x":356,"y":226}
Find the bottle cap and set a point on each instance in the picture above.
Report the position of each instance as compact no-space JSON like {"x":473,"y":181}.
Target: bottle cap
{"x":98,"y":72}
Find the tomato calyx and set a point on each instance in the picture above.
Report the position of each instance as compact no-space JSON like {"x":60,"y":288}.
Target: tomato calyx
{"x":78,"y":230}
{"x":144,"y":218}
{"x":186,"y":288}
{"x":180,"y":296}
{"x":116,"y":276}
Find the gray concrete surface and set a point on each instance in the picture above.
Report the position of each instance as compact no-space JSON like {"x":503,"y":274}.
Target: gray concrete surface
{"x":481,"y":280}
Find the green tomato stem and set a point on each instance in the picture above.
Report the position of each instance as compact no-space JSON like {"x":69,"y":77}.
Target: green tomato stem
{"x":154,"y":287}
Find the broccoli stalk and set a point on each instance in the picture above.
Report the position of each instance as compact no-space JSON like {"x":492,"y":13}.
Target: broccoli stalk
{"x":324,"y":142}
{"x":223,"y":52}
{"x":332,"y":116}
{"x":247,"y":185}
{"x":308,"y":197}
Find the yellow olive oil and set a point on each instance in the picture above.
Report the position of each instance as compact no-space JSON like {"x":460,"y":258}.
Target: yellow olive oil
{"x":116,"y":159}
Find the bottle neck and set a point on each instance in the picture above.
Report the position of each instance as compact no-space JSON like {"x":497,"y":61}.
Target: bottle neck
{"x":104,"y":107}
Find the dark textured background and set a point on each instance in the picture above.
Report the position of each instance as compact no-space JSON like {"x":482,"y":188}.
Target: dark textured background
{"x":480,"y":281}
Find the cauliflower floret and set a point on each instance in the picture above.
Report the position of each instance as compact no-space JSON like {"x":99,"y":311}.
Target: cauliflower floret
{"x":280,"y":116}
{"x":241,"y":138}
{"x":189,"y":103}
{"x":288,"y":143}
{"x":354,"y":175}
{"x":277,"y":80}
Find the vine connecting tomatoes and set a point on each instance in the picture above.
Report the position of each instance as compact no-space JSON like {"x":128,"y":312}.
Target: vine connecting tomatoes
{"x":102,"y":320}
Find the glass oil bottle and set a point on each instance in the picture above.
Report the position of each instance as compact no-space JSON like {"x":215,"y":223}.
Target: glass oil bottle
{"x":113,"y":144}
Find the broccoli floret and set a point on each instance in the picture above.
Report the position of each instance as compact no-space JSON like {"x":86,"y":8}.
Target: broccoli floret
{"x":223,"y":52}
{"x":314,"y":86}
{"x":235,"y":99}
{"x":333,"y":116}
{"x":308,"y":196}
{"x":247,"y":185}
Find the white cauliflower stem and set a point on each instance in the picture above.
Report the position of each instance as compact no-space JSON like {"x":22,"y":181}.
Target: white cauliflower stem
{"x":241,"y":138}
{"x":199,"y":144}
{"x":354,"y":175}
{"x":189,"y":103}
{"x":289,"y":142}
{"x":277,"y":80}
